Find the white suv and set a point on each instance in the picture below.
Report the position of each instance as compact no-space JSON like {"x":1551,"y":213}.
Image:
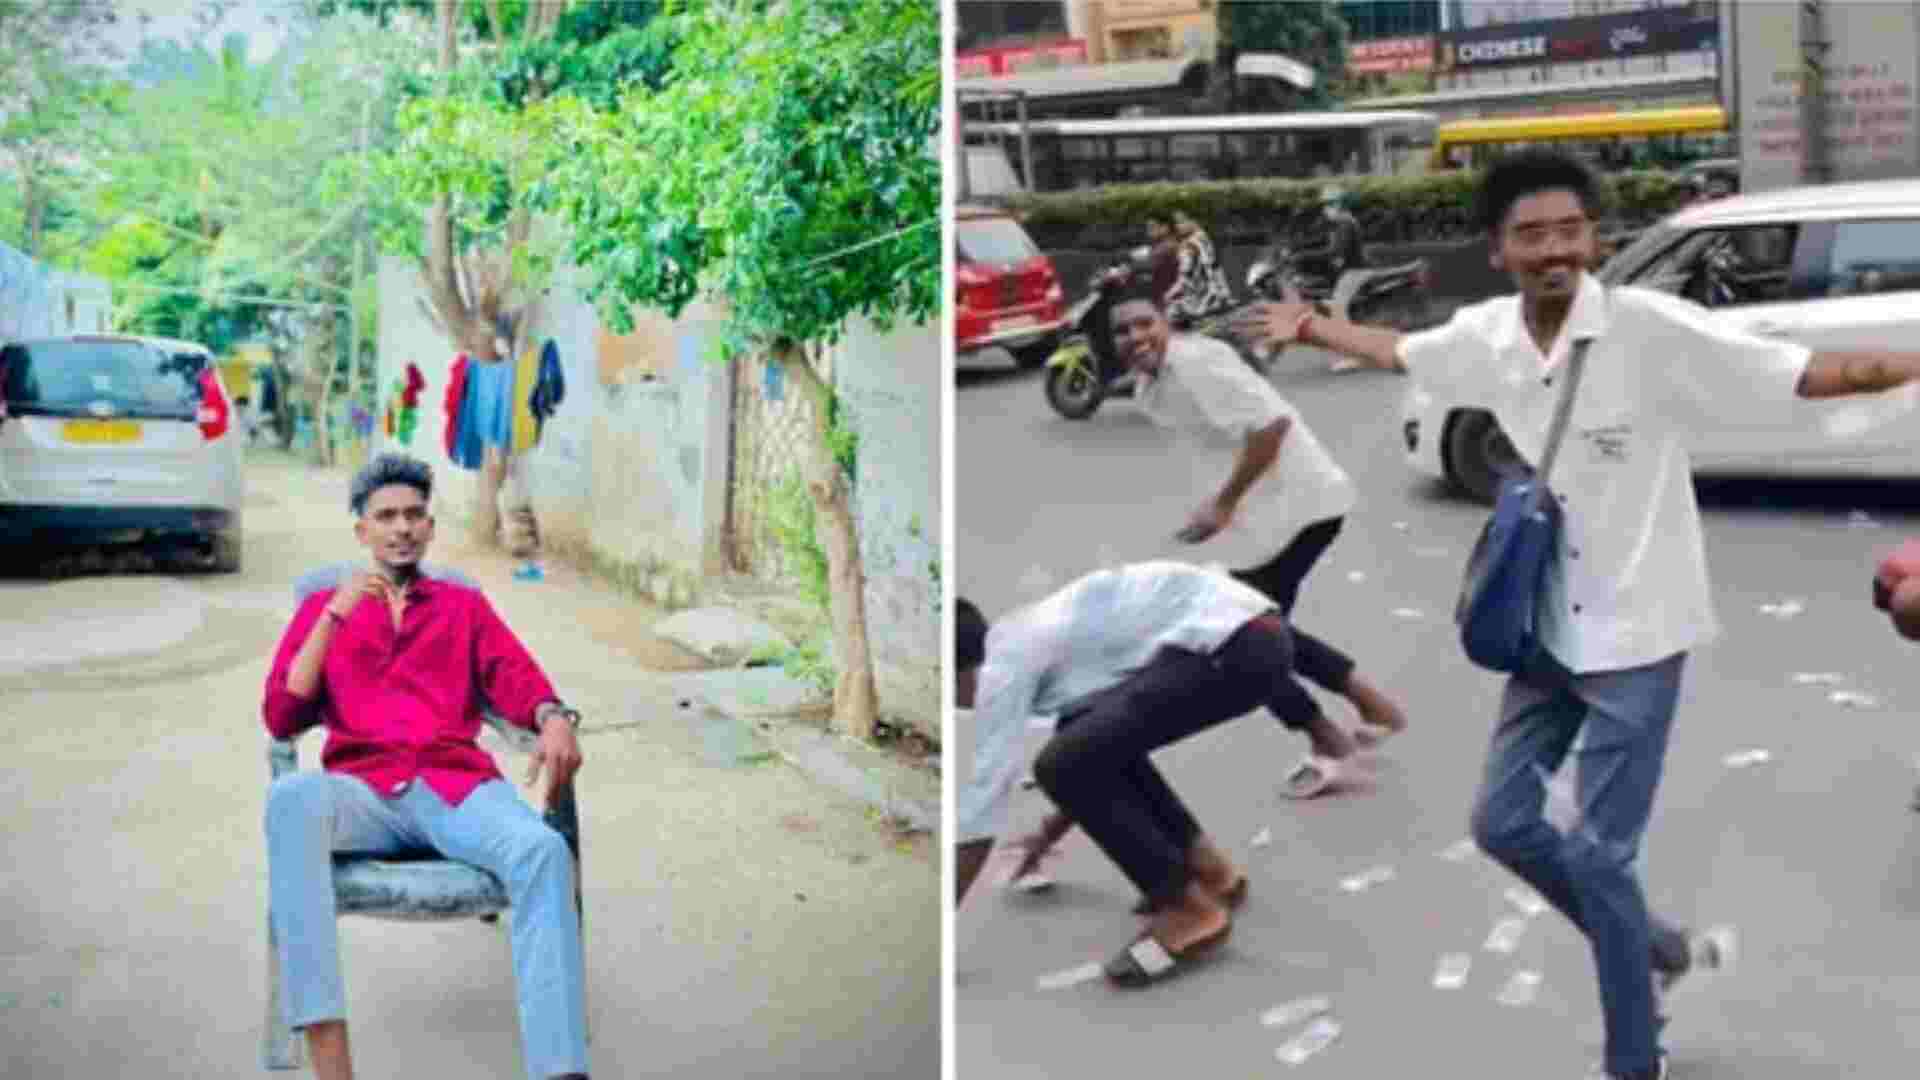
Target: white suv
{"x":109,"y":440}
{"x":1835,"y":266}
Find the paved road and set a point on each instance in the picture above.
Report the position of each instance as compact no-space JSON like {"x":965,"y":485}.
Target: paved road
{"x":1813,"y":855}
{"x":741,"y":922}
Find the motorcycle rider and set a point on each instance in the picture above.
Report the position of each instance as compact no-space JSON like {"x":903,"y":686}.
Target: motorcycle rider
{"x":1164,"y":239}
{"x":1201,"y":288}
{"x":1340,"y":252}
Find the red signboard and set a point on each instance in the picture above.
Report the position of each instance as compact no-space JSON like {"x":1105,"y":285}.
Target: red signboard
{"x":1013,"y":59}
{"x":1389,"y":55}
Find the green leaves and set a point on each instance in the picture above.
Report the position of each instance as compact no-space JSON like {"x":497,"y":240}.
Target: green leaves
{"x":787,"y":163}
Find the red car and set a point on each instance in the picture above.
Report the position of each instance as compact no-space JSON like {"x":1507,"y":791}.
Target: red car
{"x":1009,"y":303}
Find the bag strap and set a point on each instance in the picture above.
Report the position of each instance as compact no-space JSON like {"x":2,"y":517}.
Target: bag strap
{"x":1563,"y":409}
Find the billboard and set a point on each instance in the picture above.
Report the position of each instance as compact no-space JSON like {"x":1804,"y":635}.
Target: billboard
{"x":1388,"y":56}
{"x":1013,"y":59}
{"x":1559,"y":41}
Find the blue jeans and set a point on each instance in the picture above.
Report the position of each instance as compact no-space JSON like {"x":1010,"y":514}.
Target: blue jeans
{"x":311,"y":815}
{"x":1588,"y":874}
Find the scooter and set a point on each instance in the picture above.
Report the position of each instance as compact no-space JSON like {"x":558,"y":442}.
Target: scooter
{"x":1086,"y":369}
{"x":1394,"y":295}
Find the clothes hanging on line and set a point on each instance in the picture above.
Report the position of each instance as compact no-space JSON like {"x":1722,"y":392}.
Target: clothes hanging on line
{"x":456,"y":401}
{"x":525,"y":432}
{"x":549,"y":389}
{"x":486,"y":417}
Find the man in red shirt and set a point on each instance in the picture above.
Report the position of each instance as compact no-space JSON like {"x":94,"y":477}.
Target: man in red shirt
{"x":396,"y":665}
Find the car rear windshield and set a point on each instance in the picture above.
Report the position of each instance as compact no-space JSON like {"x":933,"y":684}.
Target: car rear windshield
{"x":995,"y":240}
{"x":87,"y":378}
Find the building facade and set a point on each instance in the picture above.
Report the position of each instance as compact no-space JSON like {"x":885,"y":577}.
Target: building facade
{"x":1494,"y":58}
{"x":1501,"y":44}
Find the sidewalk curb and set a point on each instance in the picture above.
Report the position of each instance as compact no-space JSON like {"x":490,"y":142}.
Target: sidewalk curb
{"x":902,"y":793}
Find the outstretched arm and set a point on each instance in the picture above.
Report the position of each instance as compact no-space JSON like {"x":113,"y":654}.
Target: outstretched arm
{"x":1863,"y":371}
{"x":1284,"y":323}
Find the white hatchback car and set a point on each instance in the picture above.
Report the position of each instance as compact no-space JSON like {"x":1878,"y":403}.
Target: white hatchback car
{"x":1835,"y":266}
{"x":107,"y":439}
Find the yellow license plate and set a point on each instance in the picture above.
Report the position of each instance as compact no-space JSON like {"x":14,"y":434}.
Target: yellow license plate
{"x":101,"y":431}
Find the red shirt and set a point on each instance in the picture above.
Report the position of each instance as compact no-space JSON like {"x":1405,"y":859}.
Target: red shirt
{"x":405,"y":704}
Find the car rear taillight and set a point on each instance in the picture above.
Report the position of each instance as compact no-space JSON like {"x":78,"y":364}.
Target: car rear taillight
{"x":214,"y":413}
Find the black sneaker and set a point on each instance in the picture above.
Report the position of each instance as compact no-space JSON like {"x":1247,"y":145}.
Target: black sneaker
{"x":1708,"y":951}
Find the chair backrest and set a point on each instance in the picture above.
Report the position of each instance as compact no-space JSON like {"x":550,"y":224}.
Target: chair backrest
{"x":328,"y":577}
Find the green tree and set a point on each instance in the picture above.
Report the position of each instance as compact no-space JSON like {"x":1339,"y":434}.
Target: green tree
{"x":55,"y":90}
{"x":1310,"y":31}
{"x":455,"y":184}
{"x":788,"y":167}
{"x":230,"y":195}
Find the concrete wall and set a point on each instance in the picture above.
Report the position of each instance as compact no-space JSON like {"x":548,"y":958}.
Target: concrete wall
{"x":890,"y":385}
{"x":630,"y":473}
{"x":1872,"y":123}
{"x":37,"y":301}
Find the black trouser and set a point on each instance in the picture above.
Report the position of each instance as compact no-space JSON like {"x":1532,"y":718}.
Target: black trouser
{"x":1279,"y":578}
{"x":1096,"y":768}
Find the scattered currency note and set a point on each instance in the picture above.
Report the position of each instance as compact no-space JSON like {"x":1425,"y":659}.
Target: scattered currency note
{"x":1746,"y":758}
{"x":1060,"y":980}
{"x":1452,"y":972}
{"x":1528,"y":901}
{"x":1295,"y":1011}
{"x":1520,"y":989}
{"x":1261,"y":839}
{"x":1361,"y":882}
{"x":1317,"y":1037}
{"x":1506,"y":935}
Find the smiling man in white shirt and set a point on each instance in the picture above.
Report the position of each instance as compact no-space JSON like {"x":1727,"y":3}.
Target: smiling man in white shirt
{"x":1275,"y":500}
{"x":1630,"y":596}
{"x":1130,"y":659}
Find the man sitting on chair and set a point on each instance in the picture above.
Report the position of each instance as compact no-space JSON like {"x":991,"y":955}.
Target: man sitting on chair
{"x":396,"y":665}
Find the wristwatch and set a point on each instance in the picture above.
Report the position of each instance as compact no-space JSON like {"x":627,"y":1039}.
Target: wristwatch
{"x":572,"y":715}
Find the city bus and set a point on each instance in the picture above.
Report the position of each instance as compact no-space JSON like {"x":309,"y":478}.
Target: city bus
{"x":1070,"y":154}
{"x":1660,"y":138}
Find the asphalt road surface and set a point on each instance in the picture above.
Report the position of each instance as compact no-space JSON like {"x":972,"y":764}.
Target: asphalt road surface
{"x":740,"y":921}
{"x":1813,"y":855}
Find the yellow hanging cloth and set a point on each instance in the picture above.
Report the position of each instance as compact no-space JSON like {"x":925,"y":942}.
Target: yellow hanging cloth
{"x":526,"y":372}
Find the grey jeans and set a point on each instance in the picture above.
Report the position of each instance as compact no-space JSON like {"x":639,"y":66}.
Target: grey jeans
{"x":1588,"y":873}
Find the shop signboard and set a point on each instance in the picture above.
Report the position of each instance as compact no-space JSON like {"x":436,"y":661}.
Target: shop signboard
{"x":1390,"y":56}
{"x":1558,"y":41}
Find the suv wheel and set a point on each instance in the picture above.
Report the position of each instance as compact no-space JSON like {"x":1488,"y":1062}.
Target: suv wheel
{"x":1477,"y":453}
{"x":226,"y":551}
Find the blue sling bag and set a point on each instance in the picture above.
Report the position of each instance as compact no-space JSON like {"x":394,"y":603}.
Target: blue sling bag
{"x":1499,"y":608}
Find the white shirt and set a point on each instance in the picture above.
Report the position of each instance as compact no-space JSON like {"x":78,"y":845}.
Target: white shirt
{"x":1214,"y":400}
{"x":1631,"y":586}
{"x":1089,"y":636}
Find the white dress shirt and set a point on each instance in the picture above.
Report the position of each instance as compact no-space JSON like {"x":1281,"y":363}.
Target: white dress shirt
{"x":1089,"y":636}
{"x":1214,"y":400}
{"x":1630,"y":587}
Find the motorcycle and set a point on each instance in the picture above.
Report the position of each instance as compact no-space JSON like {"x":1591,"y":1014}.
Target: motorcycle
{"x":1087,"y":369}
{"x":1393,"y":295}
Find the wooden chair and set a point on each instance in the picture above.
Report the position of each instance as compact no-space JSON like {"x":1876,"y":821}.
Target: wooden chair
{"x":412,"y":886}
